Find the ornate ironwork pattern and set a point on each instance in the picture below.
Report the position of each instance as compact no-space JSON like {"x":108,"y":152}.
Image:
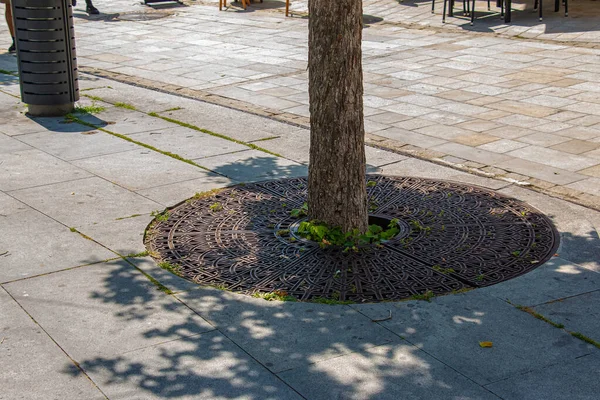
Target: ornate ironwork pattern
{"x":452,"y":237}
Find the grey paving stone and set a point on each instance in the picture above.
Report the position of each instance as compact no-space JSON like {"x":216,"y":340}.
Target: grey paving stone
{"x":32,"y":366}
{"x":293,"y":146}
{"x":578,"y":314}
{"x":105,"y":310}
{"x":253,"y":165}
{"x":126,"y":122}
{"x":272,"y":331}
{"x":171,"y":194}
{"x":187,"y":143}
{"x":208,"y":366}
{"x":565,"y":380}
{"x":392,"y":371}
{"x":473,"y":154}
{"x":33,"y":244}
{"x":10,"y":145}
{"x":556,"y":279}
{"x":502,"y":146}
{"x":540,"y":171}
{"x":414,"y":138}
{"x":140,"y":169}
{"x":543,"y":139}
{"x":520,"y":342}
{"x":85,"y":201}
{"x":21,"y":124}
{"x":74,"y":145}
{"x":377,"y":157}
{"x":29,"y":168}
{"x":123,"y":236}
{"x":553,"y":158}
{"x":10,"y":205}
{"x":589,"y":185}
{"x":424,"y":169}
{"x":167,"y":278}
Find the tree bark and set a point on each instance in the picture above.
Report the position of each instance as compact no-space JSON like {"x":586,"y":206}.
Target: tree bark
{"x":337,"y":168}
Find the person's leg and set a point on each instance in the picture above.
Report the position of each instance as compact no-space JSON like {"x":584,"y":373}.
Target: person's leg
{"x":89,"y":7}
{"x":9,"y":22}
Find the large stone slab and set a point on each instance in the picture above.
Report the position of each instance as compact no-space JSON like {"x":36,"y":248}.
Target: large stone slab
{"x":577,"y":314}
{"x":556,"y":279}
{"x":208,"y":366}
{"x":9,"y":205}
{"x":32,"y":244}
{"x":451,"y":327}
{"x":167,"y":278}
{"x":29,"y":168}
{"x":171,"y":194}
{"x":187,"y":143}
{"x":253,"y":165}
{"x":424,"y":169}
{"x":105,"y":310}
{"x":574,"y":380}
{"x":126,"y":122}
{"x":86,"y":201}
{"x":32,"y":366}
{"x":140,"y":169}
{"x":75,"y":145}
{"x":284,"y":335}
{"x":10,"y":145}
{"x":389,"y":372}
{"x":124,"y":235}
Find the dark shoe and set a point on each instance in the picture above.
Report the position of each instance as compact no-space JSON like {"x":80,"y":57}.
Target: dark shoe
{"x":90,"y":9}
{"x":12,"y":47}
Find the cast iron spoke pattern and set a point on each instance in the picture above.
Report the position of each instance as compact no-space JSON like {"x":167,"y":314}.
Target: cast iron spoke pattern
{"x":452,"y":237}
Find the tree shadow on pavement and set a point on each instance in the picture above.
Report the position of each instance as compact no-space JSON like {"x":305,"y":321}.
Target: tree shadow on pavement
{"x":246,"y":347}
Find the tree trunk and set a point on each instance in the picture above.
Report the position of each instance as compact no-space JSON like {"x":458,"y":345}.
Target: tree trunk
{"x":336,"y":176}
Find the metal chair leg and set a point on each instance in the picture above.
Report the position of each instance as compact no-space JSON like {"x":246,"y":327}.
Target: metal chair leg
{"x":444,"y":13}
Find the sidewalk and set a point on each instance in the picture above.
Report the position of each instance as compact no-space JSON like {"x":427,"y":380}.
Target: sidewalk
{"x":516,"y":109}
{"x":86,"y":317}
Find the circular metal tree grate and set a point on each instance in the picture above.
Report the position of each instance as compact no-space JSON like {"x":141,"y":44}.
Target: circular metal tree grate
{"x":452,"y":237}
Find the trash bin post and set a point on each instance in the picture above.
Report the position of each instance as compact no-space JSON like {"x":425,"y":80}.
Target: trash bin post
{"x":45,"y":39}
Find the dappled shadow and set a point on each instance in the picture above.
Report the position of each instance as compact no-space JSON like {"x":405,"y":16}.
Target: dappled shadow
{"x":249,"y":167}
{"x":255,"y":338}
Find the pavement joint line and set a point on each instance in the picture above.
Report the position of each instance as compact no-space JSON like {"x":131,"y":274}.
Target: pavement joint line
{"x":241,"y":348}
{"x":451,"y":29}
{"x":541,"y":317}
{"x":372,"y":140}
{"x":566,"y":297}
{"x":142,"y":144}
{"x":61,"y":270}
{"x":77,"y":365}
{"x":167,"y":341}
{"x":47,"y":184}
{"x":381,"y":323}
{"x":206,"y":131}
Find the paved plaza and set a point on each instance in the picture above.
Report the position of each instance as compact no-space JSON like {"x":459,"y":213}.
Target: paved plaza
{"x":202,"y":99}
{"x":493,"y":104}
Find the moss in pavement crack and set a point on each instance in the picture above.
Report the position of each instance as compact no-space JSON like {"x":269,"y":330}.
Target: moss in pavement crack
{"x":127,"y":138}
{"x":221,"y":136}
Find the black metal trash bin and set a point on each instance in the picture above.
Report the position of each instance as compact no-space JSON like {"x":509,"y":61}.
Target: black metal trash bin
{"x":45,"y":40}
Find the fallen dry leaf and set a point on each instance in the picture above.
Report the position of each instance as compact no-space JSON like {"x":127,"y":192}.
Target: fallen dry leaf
{"x":486,"y":344}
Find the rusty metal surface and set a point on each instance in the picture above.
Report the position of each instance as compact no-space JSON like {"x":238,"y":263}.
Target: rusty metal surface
{"x":452,"y":237}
